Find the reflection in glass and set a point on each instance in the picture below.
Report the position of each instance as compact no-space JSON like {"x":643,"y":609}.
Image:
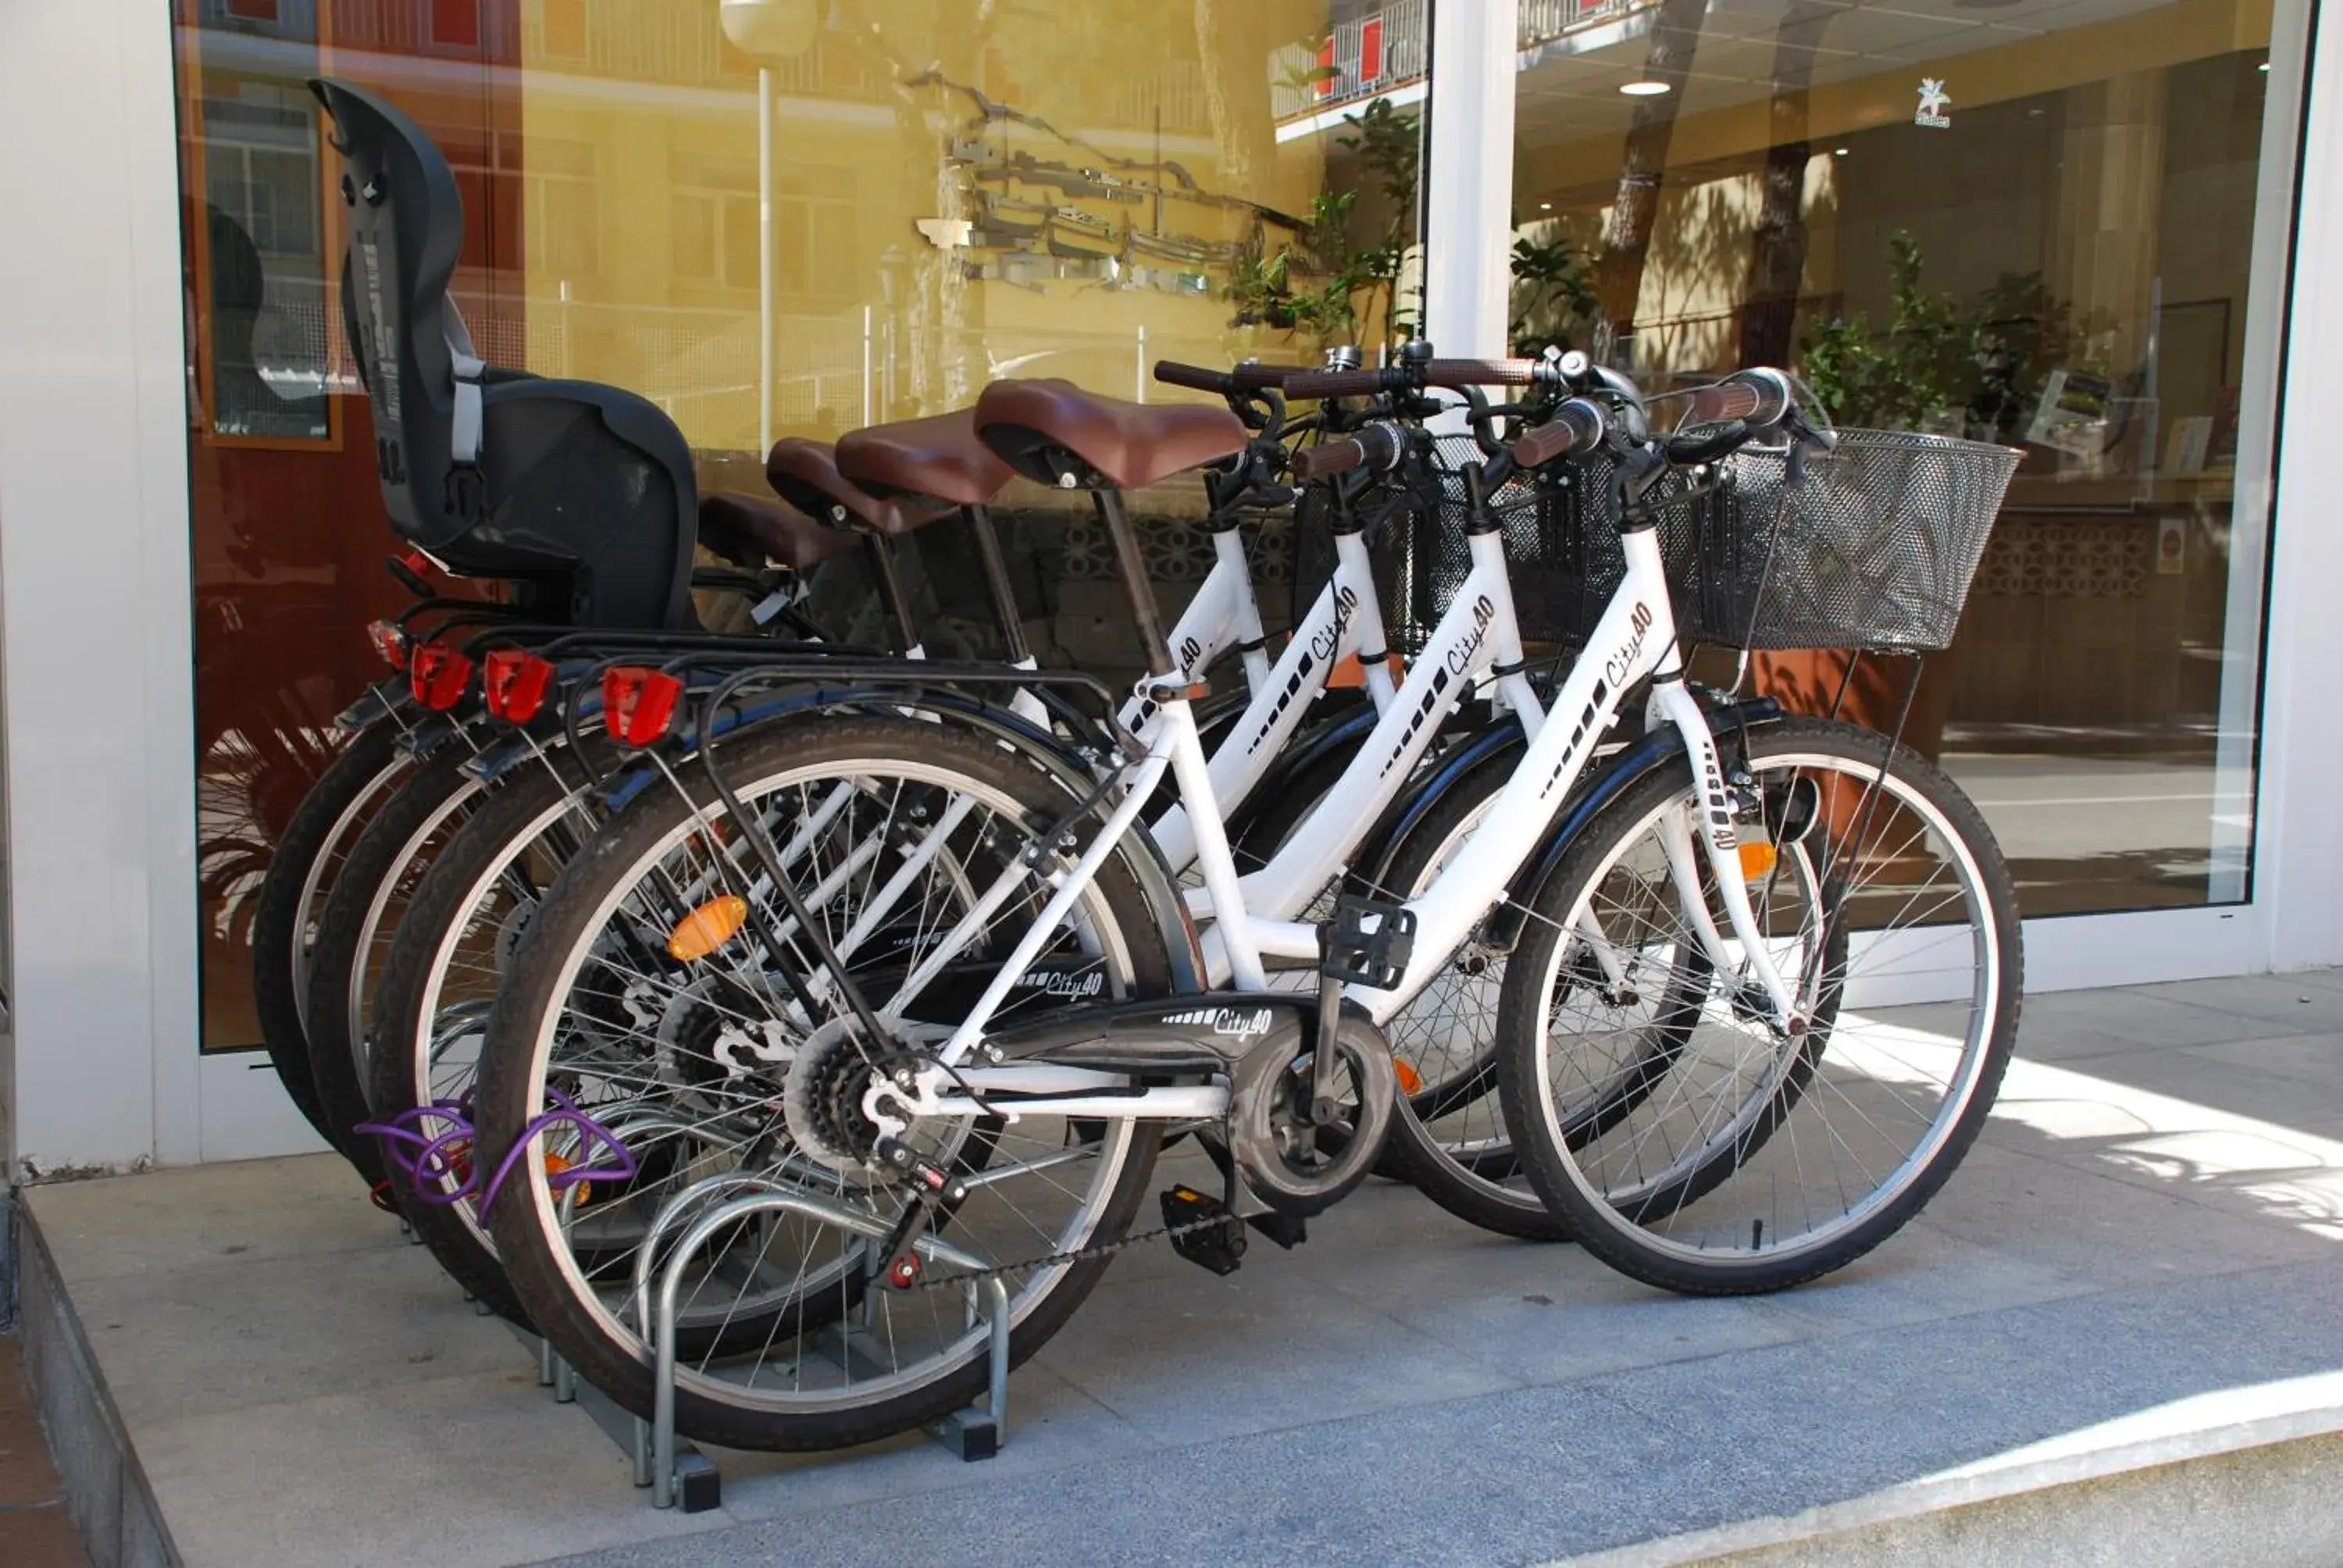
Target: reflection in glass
{"x":2035,"y":225}
{"x":955,"y":193}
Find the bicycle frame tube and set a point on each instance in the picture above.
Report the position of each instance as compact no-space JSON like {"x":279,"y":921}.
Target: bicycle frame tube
{"x":1228,"y":551}
{"x":1345,"y":612}
{"x":1070,"y":887}
{"x":1223,"y":614}
{"x":1639,"y":628}
{"x":1460,"y":650}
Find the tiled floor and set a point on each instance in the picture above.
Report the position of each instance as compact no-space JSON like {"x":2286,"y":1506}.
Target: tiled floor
{"x":33,"y":1530}
{"x":2152,"y":1223}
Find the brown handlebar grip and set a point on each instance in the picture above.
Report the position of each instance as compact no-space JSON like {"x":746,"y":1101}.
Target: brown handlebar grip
{"x":1543,"y":445}
{"x":1195,"y":377}
{"x":1336,"y":383}
{"x":1479,"y":372}
{"x":1327,"y":459}
{"x":1575,"y":426}
{"x":1253,"y":376}
{"x":1725,"y":400}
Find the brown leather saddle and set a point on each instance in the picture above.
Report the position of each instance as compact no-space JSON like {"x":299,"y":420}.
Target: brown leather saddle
{"x":749,"y":531}
{"x":939,"y":458}
{"x":1053,"y":431}
{"x":805,"y":474}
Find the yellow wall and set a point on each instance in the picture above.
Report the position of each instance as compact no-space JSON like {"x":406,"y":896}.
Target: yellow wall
{"x":1075,"y":87}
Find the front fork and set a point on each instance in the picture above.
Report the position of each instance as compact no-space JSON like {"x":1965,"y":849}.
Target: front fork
{"x":1720,"y":842}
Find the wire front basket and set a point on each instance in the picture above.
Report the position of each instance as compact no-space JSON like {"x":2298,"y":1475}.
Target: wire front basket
{"x":1873,"y":548}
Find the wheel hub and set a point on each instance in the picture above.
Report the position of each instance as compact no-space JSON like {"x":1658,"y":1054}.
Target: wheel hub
{"x":822,"y":1102}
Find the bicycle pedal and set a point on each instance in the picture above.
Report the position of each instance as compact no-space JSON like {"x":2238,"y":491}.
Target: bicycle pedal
{"x":1367,"y":942}
{"x":1217,"y":1239}
{"x":1287,"y":1231}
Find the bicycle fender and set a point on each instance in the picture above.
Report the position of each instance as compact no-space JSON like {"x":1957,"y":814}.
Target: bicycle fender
{"x":1008,"y":725}
{"x":1404,"y":815}
{"x":1641,"y":757}
{"x":1341,"y":733}
{"x":383,"y":699}
{"x":1139,"y":850}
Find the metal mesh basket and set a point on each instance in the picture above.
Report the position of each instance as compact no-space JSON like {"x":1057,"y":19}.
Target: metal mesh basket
{"x":1874,"y":547}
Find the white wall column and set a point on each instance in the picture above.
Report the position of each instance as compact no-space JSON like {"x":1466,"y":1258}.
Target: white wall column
{"x":1469,"y":178}
{"x":95,"y":571}
{"x":2299,"y":837}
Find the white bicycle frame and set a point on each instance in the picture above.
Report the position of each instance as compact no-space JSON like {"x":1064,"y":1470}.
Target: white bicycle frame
{"x":1224,"y":613}
{"x":1342,"y":621}
{"x":1635,"y":638}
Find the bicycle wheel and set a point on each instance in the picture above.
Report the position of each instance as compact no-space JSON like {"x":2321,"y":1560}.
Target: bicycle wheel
{"x":446,"y":959}
{"x":737,"y":1061}
{"x":308,"y":856}
{"x":1449,"y":1139}
{"x":361,"y":913}
{"x":1741,"y":1158}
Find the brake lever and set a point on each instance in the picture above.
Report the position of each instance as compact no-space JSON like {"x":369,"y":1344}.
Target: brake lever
{"x":1688,"y":450}
{"x":1806,"y":433}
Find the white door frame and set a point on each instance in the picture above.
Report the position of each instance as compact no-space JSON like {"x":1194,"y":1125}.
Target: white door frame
{"x":95,"y":584}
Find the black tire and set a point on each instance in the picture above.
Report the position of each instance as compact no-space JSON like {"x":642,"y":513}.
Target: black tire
{"x":418,"y":959}
{"x":301,"y":871}
{"x":1469,"y":1187}
{"x":1617,"y":1231}
{"x":1282,"y":801}
{"x":370,"y":897}
{"x":535,"y":993}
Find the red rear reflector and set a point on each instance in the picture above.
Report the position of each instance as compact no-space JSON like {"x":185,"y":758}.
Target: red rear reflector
{"x":515,"y":682}
{"x":638,"y":704}
{"x":389,"y":641}
{"x":439,"y":676}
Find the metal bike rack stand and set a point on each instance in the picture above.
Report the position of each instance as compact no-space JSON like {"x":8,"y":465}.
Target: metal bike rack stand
{"x":678,"y":1474}
{"x":666,"y":1478}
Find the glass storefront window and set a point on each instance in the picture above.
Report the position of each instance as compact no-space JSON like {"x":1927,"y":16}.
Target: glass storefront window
{"x":958,"y":193}
{"x":2029,"y":225}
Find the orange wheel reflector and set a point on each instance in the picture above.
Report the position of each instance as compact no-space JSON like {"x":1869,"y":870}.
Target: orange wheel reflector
{"x":555,"y":1164}
{"x":1757,"y":860}
{"x":1410,"y":1083}
{"x":707,"y":928}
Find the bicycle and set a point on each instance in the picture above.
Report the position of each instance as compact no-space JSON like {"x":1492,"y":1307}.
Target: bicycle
{"x":930,"y":1076}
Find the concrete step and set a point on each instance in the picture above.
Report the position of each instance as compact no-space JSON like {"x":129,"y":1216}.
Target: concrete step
{"x":2111,"y":1338}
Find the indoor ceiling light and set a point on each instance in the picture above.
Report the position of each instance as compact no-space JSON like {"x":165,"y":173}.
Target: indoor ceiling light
{"x":1545,"y":207}
{"x":1838,"y":152}
{"x":1642,"y":89}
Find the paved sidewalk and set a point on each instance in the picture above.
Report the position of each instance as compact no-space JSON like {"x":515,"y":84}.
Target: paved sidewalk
{"x":2146,"y":1244}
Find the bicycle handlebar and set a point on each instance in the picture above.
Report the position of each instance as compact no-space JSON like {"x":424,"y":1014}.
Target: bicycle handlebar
{"x":1374,"y":448}
{"x":1760,"y":396}
{"x":1249,"y":377}
{"x":1401,"y":378}
{"x":1574,"y":429}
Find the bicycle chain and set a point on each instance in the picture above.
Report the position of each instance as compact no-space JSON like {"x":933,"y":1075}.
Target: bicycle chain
{"x":1073,"y":1255}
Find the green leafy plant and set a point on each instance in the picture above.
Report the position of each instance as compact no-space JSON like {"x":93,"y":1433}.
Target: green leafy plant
{"x":1554,"y":298}
{"x":1328,"y":284}
{"x":1922,"y":362}
{"x":1389,"y":146}
{"x":1981,"y":362}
